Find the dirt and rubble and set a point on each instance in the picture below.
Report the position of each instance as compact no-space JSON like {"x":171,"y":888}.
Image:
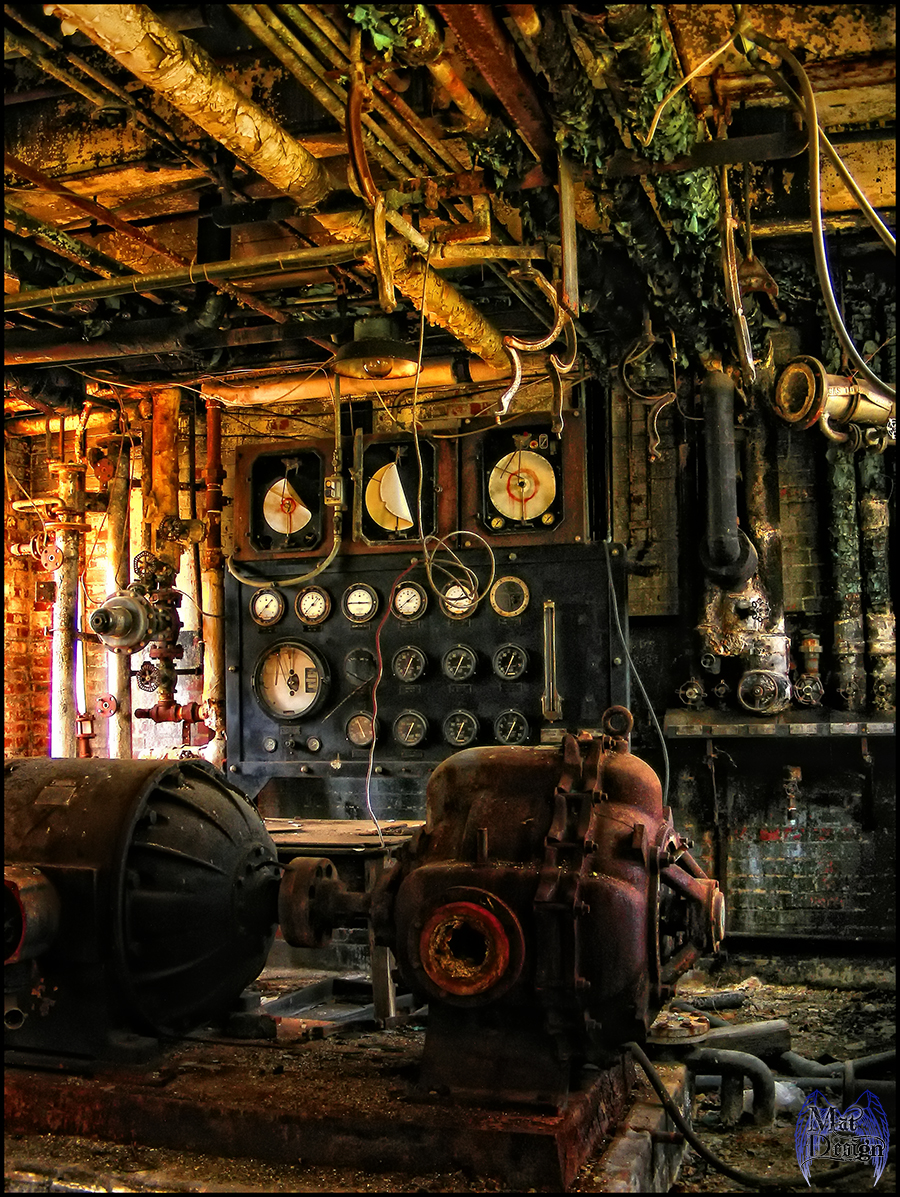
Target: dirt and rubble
{"x":826,"y":1025}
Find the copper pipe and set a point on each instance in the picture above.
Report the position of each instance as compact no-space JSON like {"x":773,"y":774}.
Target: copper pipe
{"x":184,"y":74}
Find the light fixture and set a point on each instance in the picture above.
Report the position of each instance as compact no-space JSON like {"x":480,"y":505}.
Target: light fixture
{"x":375,"y":352}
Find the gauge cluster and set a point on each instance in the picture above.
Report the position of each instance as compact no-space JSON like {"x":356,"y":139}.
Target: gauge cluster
{"x":518,"y":661}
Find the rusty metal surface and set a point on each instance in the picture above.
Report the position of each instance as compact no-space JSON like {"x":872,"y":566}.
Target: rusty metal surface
{"x":327,"y":1104}
{"x":485,"y":42}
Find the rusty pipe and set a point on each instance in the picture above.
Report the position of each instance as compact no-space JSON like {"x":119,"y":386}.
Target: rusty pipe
{"x":213,"y":590}
{"x":728,"y":557}
{"x":169,"y":711}
{"x":63,"y":704}
{"x":184,"y":74}
{"x":99,"y":421}
{"x":118,"y":665}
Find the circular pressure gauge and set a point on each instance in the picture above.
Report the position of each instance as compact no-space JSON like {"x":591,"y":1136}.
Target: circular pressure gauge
{"x":360,"y":666}
{"x":458,"y":601}
{"x":360,"y":730}
{"x":360,"y":602}
{"x":460,"y":728}
{"x":410,"y":728}
{"x":409,"y":601}
{"x":511,"y":727}
{"x":290,"y":680}
{"x":510,"y":662}
{"x":509,"y":597}
{"x":313,"y":605}
{"x":267,"y":607}
{"x":459,"y":663}
{"x":408,"y":663}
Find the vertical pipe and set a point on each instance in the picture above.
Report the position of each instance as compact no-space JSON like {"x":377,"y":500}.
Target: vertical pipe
{"x":118,"y":665}
{"x":214,"y":590}
{"x":848,"y":680}
{"x":728,"y":558}
{"x":874,"y":524}
{"x":164,"y":504}
{"x":62,"y":684}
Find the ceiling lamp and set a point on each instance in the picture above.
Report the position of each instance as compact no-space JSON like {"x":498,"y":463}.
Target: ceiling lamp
{"x":375,"y":352}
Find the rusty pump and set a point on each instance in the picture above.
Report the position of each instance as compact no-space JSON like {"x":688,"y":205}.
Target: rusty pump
{"x":544,"y":912}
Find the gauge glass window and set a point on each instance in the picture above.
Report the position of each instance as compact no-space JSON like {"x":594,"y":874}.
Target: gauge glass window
{"x":313,"y":605}
{"x":410,"y":728}
{"x":360,"y":666}
{"x":460,"y":728}
{"x":409,"y":601}
{"x":360,"y":602}
{"x":361,"y":730}
{"x":290,"y":680}
{"x":408,"y":663}
{"x":458,"y":601}
{"x":511,"y":727}
{"x":510,"y":662}
{"x":267,"y":607}
{"x":509,"y":597}
{"x":459,"y":663}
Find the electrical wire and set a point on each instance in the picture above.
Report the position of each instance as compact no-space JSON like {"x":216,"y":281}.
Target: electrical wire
{"x":815,"y":191}
{"x":637,"y":677}
{"x":744,"y":1178}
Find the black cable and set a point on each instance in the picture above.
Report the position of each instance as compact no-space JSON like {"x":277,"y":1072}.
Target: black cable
{"x":744,"y":1178}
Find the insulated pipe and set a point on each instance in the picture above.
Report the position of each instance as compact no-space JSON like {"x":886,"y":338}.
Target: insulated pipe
{"x":727,"y":555}
{"x":848,"y":678}
{"x":874,"y":526}
{"x":184,"y":74}
{"x":213,"y":591}
{"x":65,"y":608}
{"x":118,"y":665}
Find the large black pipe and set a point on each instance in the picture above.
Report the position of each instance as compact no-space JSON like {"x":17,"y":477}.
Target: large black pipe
{"x":728,"y":557}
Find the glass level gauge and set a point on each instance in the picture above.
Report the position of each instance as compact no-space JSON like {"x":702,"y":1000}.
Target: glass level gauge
{"x":509,"y":597}
{"x":409,"y":601}
{"x":360,"y":730}
{"x":459,"y":663}
{"x":458,"y":601}
{"x":410,"y":728}
{"x":460,"y":728}
{"x":511,"y":727}
{"x":510,"y":662}
{"x":313,"y":605}
{"x":408,"y":663}
{"x":360,"y":602}
{"x":289,"y":680}
{"x":267,"y":607}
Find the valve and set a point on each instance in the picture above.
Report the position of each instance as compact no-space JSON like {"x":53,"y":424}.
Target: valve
{"x":763,"y":691}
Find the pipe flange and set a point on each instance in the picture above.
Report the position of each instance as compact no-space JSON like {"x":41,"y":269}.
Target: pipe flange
{"x":801,"y":392}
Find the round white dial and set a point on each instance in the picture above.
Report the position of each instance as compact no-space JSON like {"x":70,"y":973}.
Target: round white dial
{"x":313,"y":605}
{"x":289,"y":680}
{"x":359,"y":603}
{"x":458,"y":601}
{"x":409,"y":601}
{"x":267,"y":607}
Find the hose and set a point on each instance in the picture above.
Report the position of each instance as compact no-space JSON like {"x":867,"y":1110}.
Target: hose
{"x":744,"y":1178}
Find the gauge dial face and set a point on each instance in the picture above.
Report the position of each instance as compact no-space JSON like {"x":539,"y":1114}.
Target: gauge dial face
{"x":509,"y":597}
{"x":458,"y":601}
{"x":459,"y":663}
{"x":408,"y":663}
{"x":360,"y":666}
{"x":410,"y":728}
{"x":510,"y":662}
{"x":460,"y":728}
{"x":360,"y":602}
{"x":409,"y":601}
{"x":522,"y":485}
{"x":290,"y":680}
{"x":267,"y":607}
{"x":360,"y":730}
{"x":283,"y":509}
{"x":386,"y":500}
{"x":511,"y":727}
{"x":313,"y":605}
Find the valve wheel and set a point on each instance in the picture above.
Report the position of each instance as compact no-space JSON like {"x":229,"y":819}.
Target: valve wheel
{"x":145,"y":564}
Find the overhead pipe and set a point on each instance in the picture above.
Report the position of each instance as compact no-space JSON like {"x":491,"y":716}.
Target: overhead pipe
{"x":728,"y":557}
{"x":118,"y":556}
{"x":28,"y":226}
{"x":184,"y":75}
